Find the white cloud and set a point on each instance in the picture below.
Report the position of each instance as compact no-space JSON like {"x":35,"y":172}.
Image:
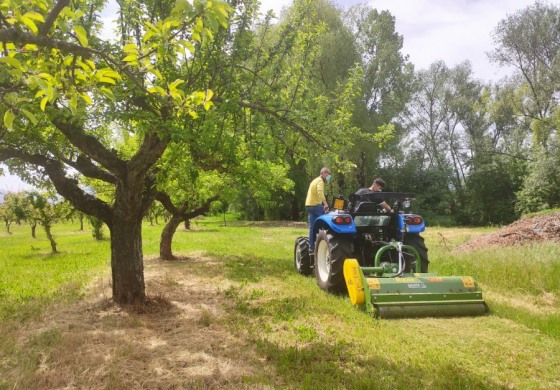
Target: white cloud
{"x":11,"y":183}
{"x":451,"y":30}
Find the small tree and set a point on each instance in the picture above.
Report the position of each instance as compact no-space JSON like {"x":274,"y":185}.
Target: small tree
{"x":13,"y":209}
{"x":97,"y":226}
{"x":6,"y":216}
{"x":46,"y":209}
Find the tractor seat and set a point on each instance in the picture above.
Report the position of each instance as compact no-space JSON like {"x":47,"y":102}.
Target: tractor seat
{"x":367,"y":207}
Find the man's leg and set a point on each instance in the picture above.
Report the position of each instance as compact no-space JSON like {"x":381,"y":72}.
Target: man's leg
{"x":312,"y":214}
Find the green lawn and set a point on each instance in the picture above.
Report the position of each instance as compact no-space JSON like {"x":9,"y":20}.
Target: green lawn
{"x":310,"y":338}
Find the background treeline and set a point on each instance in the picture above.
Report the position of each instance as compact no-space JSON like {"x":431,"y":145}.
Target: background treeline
{"x":473,"y":152}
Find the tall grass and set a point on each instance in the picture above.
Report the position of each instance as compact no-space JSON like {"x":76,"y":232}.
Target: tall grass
{"x":521,"y":283}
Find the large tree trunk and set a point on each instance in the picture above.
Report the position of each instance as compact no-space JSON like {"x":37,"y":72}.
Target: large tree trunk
{"x":165,"y":252}
{"x":127,"y":262}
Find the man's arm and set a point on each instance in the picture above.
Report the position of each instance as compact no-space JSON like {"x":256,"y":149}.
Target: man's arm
{"x":386,"y":207}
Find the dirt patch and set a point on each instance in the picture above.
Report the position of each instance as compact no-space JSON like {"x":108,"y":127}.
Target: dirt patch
{"x":179,"y":339}
{"x":524,"y":231}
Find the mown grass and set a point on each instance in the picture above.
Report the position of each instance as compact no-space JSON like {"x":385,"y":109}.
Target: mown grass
{"x":316,"y":340}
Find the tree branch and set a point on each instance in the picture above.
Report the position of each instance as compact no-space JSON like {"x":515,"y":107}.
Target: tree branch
{"x":275,"y":114}
{"x":51,"y":17}
{"x":91,"y":147}
{"x":85,"y":166}
{"x":182,"y":212}
{"x":65,"y":186}
{"x":16,"y":36}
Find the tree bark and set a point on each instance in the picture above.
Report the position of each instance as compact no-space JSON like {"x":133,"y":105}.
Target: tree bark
{"x":50,"y":237}
{"x":127,"y":262}
{"x":165,"y":251}
{"x":133,"y":198}
{"x":178,"y":214}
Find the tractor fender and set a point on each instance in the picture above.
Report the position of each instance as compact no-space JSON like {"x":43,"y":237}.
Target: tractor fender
{"x":410,"y":223}
{"x":327,"y":222}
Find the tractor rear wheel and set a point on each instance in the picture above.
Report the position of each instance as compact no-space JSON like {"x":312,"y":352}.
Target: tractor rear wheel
{"x":302,"y":259}
{"x":417,"y":242}
{"x":330,"y":253}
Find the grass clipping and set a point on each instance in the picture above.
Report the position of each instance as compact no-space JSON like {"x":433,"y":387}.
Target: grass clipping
{"x":176,"y":340}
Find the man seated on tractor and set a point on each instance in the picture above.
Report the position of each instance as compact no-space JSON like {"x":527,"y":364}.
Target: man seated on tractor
{"x":377,"y":186}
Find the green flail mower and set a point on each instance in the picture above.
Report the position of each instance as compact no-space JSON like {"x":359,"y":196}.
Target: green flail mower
{"x":380,"y":260}
{"x":384,"y":292}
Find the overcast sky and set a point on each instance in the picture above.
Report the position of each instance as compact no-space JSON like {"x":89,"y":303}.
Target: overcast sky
{"x":448,"y":30}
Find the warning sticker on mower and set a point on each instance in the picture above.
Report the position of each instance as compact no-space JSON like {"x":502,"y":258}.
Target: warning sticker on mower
{"x":416,"y":285}
{"x":405,"y":280}
{"x":435,"y":280}
{"x":468,"y":282}
{"x":373,"y":283}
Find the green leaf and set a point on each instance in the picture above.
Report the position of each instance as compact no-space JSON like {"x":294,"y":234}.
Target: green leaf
{"x":107,"y":80}
{"x":107,"y":92}
{"x":108,"y":72}
{"x":35,"y":16}
{"x":30,"y":24}
{"x":44,"y":103}
{"x":152,"y":27}
{"x":11,"y":61}
{"x":158,"y":90}
{"x":148,"y":35}
{"x":180,"y":6}
{"x":188,"y":45}
{"x":131,"y":58}
{"x":74,"y":104}
{"x":11,"y":98}
{"x":131,"y":48}
{"x":30,"y":116}
{"x":85,"y":97}
{"x":156,"y":73}
{"x":173,"y":86}
{"x":9,"y":117}
{"x":81,"y":34}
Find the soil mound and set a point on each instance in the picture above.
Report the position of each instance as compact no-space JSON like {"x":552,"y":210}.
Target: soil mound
{"x":524,"y":231}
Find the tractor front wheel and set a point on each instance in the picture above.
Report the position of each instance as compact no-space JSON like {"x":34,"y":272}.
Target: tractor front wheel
{"x":302,"y":260}
{"x":330,"y":253}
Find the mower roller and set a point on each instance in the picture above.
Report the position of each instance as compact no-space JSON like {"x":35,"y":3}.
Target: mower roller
{"x":381,"y":261}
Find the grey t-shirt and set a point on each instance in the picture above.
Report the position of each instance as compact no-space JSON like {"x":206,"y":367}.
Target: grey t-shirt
{"x":367,"y":191}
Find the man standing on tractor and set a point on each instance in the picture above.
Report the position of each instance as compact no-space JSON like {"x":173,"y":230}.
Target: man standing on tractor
{"x":377,"y":186}
{"x":316,"y":203}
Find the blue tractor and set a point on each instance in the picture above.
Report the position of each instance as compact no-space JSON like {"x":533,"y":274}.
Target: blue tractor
{"x":381,"y":261}
{"x":358,"y":228}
